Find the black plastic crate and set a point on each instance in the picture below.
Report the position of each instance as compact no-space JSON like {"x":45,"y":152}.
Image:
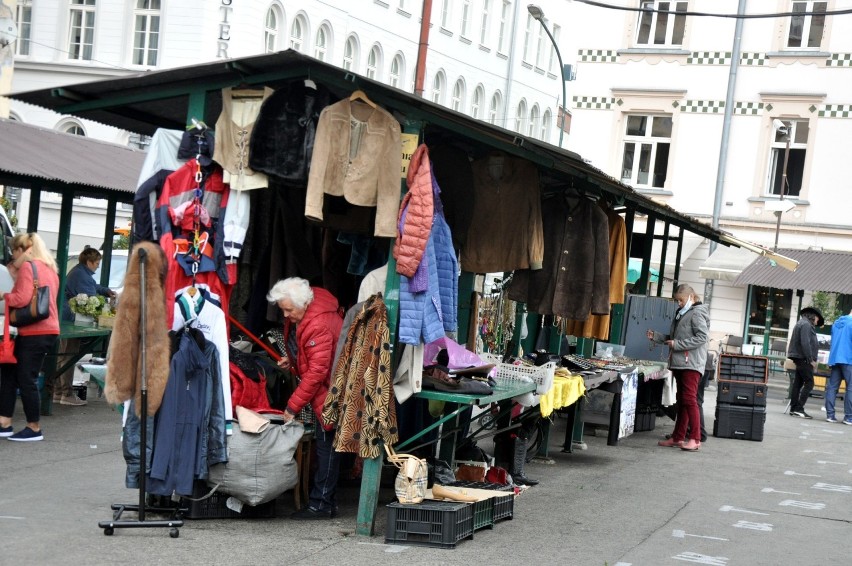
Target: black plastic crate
{"x":481,"y":485}
{"x":214,"y":507}
{"x":483,"y":514}
{"x":742,"y":393}
{"x":645,"y":422}
{"x":738,"y":421}
{"x":504,"y":507}
{"x":733,"y":367}
{"x":441,"y":524}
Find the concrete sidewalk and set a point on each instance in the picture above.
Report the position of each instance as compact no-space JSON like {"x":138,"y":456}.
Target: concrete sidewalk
{"x":785,"y":500}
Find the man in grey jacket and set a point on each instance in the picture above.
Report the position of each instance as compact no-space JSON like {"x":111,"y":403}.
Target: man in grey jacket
{"x":803,"y":351}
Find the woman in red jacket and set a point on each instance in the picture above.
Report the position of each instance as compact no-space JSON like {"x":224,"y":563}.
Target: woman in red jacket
{"x":33,"y":341}
{"x":311,"y":330}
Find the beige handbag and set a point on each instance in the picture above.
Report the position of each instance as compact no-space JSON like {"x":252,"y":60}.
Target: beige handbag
{"x":411,"y":481}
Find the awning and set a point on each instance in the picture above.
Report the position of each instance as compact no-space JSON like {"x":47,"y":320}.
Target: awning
{"x":777,"y":258}
{"x":829,"y":271}
{"x":726,"y":263}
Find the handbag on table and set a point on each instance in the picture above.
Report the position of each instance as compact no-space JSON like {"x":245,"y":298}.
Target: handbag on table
{"x":39,"y":307}
{"x":411,"y":481}
{"x":7,"y":345}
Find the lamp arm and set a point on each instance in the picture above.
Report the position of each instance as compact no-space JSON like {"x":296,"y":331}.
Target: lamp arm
{"x":562,"y":74}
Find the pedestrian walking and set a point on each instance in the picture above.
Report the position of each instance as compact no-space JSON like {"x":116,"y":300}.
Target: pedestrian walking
{"x":803,"y":351}
{"x":840,"y":360}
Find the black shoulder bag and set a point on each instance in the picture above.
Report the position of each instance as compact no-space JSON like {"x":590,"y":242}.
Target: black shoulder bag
{"x":39,"y":307}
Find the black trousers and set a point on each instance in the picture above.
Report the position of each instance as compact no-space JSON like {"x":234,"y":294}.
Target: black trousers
{"x":803,"y":384}
{"x":30,"y":352}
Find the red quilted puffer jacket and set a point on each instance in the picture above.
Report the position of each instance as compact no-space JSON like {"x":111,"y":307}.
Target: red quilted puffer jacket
{"x":412,"y":236}
{"x":316,"y":336}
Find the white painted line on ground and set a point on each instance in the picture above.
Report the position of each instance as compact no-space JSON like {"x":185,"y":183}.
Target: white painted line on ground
{"x":830,"y":462}
{"x":832,"y":487}
{"x":696,"y":558}
{"x":11,"y":518}
{"x":389,"y":548}
{"x":770,"y":490}
{"x":817,"y":452}
{"x":829,"y":431}
{"x":803,"y":505}
{"x":792,"y":473}
{"x":728,"y":508}
{"x":766,"y":527}
{"x":622,"y":564}
{"x":682,"y":534}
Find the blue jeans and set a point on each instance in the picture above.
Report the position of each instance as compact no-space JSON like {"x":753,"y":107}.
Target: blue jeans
{"x":838,"y":372}
{"x":322,"y":497}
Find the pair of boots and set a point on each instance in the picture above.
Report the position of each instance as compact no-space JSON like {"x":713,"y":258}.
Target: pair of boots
{"x":519,"y":459}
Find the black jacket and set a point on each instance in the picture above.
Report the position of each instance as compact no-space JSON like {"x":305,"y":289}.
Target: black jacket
{"x":803,"y":342}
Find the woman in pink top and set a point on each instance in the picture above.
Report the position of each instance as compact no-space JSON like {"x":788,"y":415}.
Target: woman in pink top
{"x":33,"y":341}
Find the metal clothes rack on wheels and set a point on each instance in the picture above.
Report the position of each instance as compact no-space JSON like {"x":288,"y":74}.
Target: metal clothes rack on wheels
{"x":119,"y":508}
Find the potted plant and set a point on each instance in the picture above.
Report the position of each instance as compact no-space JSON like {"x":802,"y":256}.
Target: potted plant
{"x":86,"y":309}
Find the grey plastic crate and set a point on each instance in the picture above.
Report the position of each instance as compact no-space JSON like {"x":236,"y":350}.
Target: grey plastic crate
{"x":441,"y":524}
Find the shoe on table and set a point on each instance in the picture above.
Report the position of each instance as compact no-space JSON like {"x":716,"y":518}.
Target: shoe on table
{"x":6,"y":431}
{"x":831,"y":420}
{"x":72,"y":400}
{"x":691,"y":445}
{"x":309,"y":513}
{"x":26,"y":434}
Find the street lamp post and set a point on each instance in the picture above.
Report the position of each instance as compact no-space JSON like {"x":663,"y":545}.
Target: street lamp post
{"x":778,"y":209}
{"x":537,"y":13}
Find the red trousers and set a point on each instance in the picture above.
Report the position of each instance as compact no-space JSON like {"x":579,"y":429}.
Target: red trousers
{"x":688,"y":415}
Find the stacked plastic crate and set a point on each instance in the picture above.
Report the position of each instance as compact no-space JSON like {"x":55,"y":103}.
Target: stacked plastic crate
{"x":741,"y":397}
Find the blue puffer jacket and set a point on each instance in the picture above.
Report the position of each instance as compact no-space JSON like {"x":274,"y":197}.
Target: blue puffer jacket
{"x":421,"y":317}
{"x":448,"y":268}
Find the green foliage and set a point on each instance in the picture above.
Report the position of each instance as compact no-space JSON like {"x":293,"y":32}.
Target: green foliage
{"x":827,"y":304}
{"x":121,"y":243}
{"x":7,"y":207}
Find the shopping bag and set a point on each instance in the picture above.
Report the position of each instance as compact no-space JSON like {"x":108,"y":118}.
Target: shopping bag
{"x":411,"y":481}
{"x":7,"y":345}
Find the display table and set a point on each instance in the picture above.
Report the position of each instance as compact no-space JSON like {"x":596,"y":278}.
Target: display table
{"x":93,"y":340}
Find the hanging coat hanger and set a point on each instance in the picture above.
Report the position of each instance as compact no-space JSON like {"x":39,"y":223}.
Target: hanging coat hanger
{"x":362,"y":96}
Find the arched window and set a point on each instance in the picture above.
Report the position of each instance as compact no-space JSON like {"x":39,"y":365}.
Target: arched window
{"x":397,"y":70}
{"x":438,"y":87}
{"x":494,"y":107}
{"x":458,"y":96}
{"x":521,"y":116}
{"x":546,"y":125}
{"x":476,"y":103}
{"x":297,"y":33}
{"x":350,"y":53}
{"x":533,"y":126}
{"x":272,"y":29}
{"x":374,"y":63}
{"x":322,"y":42}
{"x":71,"y":127}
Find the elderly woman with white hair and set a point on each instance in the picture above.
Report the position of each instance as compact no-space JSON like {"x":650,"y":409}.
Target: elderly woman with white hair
{"x":311,"y":329}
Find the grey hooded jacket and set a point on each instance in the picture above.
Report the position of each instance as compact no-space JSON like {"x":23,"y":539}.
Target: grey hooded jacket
{"x":690,"y":334}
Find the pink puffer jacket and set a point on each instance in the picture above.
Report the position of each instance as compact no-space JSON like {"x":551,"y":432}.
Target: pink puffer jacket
{"x":417,"y":209}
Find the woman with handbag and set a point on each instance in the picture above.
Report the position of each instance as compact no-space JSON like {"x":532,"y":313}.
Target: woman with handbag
{"x":34,"y":269}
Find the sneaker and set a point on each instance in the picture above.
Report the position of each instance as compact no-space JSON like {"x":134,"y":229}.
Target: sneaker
{"x":7,"y":431}
{"x":309,"y":513}
{"x":57,"y":397}
{"x":804,"y":415}
{"x":72,"y":400}
{"x":847,"y":422}
{"x":831,"y":420}
{"x":27,"y":434}
{"x":801,"y":414}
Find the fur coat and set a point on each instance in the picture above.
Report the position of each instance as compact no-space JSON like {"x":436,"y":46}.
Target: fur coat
{"x":124,"y":363}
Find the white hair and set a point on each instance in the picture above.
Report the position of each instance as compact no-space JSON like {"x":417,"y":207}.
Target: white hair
{"x":296,"y":289}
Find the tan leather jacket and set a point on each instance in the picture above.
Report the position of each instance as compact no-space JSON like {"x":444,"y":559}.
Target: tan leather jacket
{"x":367,"y":176}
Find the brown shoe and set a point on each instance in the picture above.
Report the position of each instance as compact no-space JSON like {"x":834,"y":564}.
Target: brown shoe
{"x":72,"y":400}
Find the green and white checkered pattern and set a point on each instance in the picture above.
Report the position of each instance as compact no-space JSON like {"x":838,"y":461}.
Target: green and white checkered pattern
{"x":709,"y":58}
{"x":597,"y":55}
{"x":839,"y":60}
{"x":703,"y":106}
{"x":752,"y":59}
{"x":748,"y":108}
{"x":593,"y":102}
{"x":836,"y":111}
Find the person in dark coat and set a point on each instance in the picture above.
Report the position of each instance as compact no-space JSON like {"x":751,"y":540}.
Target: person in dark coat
{"x":803,"y":351}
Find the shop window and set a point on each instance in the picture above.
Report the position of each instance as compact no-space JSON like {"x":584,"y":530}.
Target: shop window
{"x":658,"y":27}
{"x":781,"y":313}
{"x":476,"y":102}
{"x":807,"y":26}
{"x":146,"y":32}
{"x":494,"y":108}
{"x":272,"y":29}
{"x":458,"y":96}
{"x":350,"y":53}
{"x":24,"y":19}
{"x":81,"y":30}
{"x":798,"y":130}
{"x":397,"y":70}
{"x":647,"y":140}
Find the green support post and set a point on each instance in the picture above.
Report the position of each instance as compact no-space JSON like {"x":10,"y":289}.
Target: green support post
{"x":196,"y":106}
{"x":109,"y":232}
{"x":616,"y":321}
{"x":585,"y":347}
{"x":35,"y":205}
{"x":466,"y":314}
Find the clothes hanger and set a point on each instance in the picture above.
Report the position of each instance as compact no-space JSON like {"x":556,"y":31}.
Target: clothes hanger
{"x":362,"y":96}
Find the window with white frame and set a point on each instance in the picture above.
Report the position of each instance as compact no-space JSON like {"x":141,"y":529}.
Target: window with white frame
{"x":476,"y":102}
{"x":494,"y":107}
{"x":465,"y":18}
{"x":807,"y":26}
{"x":798,"y":131}
{"x":546,"y":124}
{"x":374,"y":63}
{"x":438,"y":88}
{"x":534,"y":123}
{"x":321,"y":43}
{"x":81,"y":30}
{"x":658,"y":27}
{"x":521,"y":117}
{"x":446,"y":13}
{"x":350,"y":53}
{"x":483,"y":29}
{"x":554,"y":60}
{"x":403,"y":5}
{"x":458,"y":96}
{"x":24,"y":19}
{"x":647,"y":140}
{"x":146,"y":32}
{"x":503,"y":32}
{"x":297,"y":33}
{"x":539,"y":44}
{"x":529,"y":37}
{"x":72,"y":127}
{"x":272,"y":29}
{"x":397,"y":70}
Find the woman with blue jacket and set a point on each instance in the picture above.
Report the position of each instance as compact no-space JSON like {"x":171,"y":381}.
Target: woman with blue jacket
{"x":687,"y":342}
